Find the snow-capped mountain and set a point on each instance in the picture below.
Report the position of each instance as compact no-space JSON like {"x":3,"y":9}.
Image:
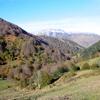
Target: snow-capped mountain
{"x":58,"y":33}
{"x":83,"y":39}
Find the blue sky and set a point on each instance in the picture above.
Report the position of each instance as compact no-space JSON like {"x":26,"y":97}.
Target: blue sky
{"x":70,"y":15}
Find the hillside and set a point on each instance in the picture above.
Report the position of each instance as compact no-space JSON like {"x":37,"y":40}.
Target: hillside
{"x":43,"y":68}
{"x":83,"y":85}
{"x":92,"y":51}
{"x":66,"y":46}
{"x":26,"y":58}
{"x":83,"y":39}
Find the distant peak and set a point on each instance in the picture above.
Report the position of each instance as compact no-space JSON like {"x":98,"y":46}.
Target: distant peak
{"x":1,"y":19}
{"x":54,"y":30}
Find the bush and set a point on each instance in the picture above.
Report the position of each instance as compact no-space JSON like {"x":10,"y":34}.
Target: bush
{"x":44,"y":79}
{"x":85,"y":66}
{"x":23,"y":80}
{"x":94,"y":66}
{"x":98,"y":64}
{"x":74,"y":68}
{"x":33,"y":83}
{"x":23,"y":83}
{"x":59,"y":72}
{"x":40,"y":79}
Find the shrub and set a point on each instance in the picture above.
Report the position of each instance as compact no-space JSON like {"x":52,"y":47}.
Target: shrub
{"x":98,"y":64}
{"x":74,"y":68}
{"x":40,"y":79}
{"x":23,"y":83}
{"x":33,"y":83}
{"x":59,"y":72}
{"x":85,"y":66}
{"x":44,"y":79}
{"x":94,"y":66}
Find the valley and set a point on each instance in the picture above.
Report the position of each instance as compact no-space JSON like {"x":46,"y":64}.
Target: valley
{"x":40,"y":67}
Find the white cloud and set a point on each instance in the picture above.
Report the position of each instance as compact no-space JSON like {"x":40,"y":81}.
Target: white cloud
{"x":78,"y":24}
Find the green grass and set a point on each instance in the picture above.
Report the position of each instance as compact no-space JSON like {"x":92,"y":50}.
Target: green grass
{"x":84,"y":85}
{"x":4,"y":84}
{"x":90,"y":62}
{"x":83,"y":88}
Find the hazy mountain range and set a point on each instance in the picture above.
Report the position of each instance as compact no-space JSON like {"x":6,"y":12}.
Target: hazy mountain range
{"x":83,"y":39}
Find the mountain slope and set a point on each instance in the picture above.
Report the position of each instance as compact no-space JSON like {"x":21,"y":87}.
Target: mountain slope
{"x":92,"y":51}
{"x":85,"y":40}
{"x":26,"y":58}
{"x":66,"y":46}
{"x":10,"y":33}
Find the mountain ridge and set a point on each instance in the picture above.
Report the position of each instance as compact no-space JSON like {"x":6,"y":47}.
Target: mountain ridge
{"x":24,"y":56}
{"x":83,"y":39}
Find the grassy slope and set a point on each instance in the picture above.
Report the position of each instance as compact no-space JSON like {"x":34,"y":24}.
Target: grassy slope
{"x":90,"y":61}
{"x":85,"y":85}
{"x":4,"y":84}
{"x":91,"y":51}
{"x":84,"y":88}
